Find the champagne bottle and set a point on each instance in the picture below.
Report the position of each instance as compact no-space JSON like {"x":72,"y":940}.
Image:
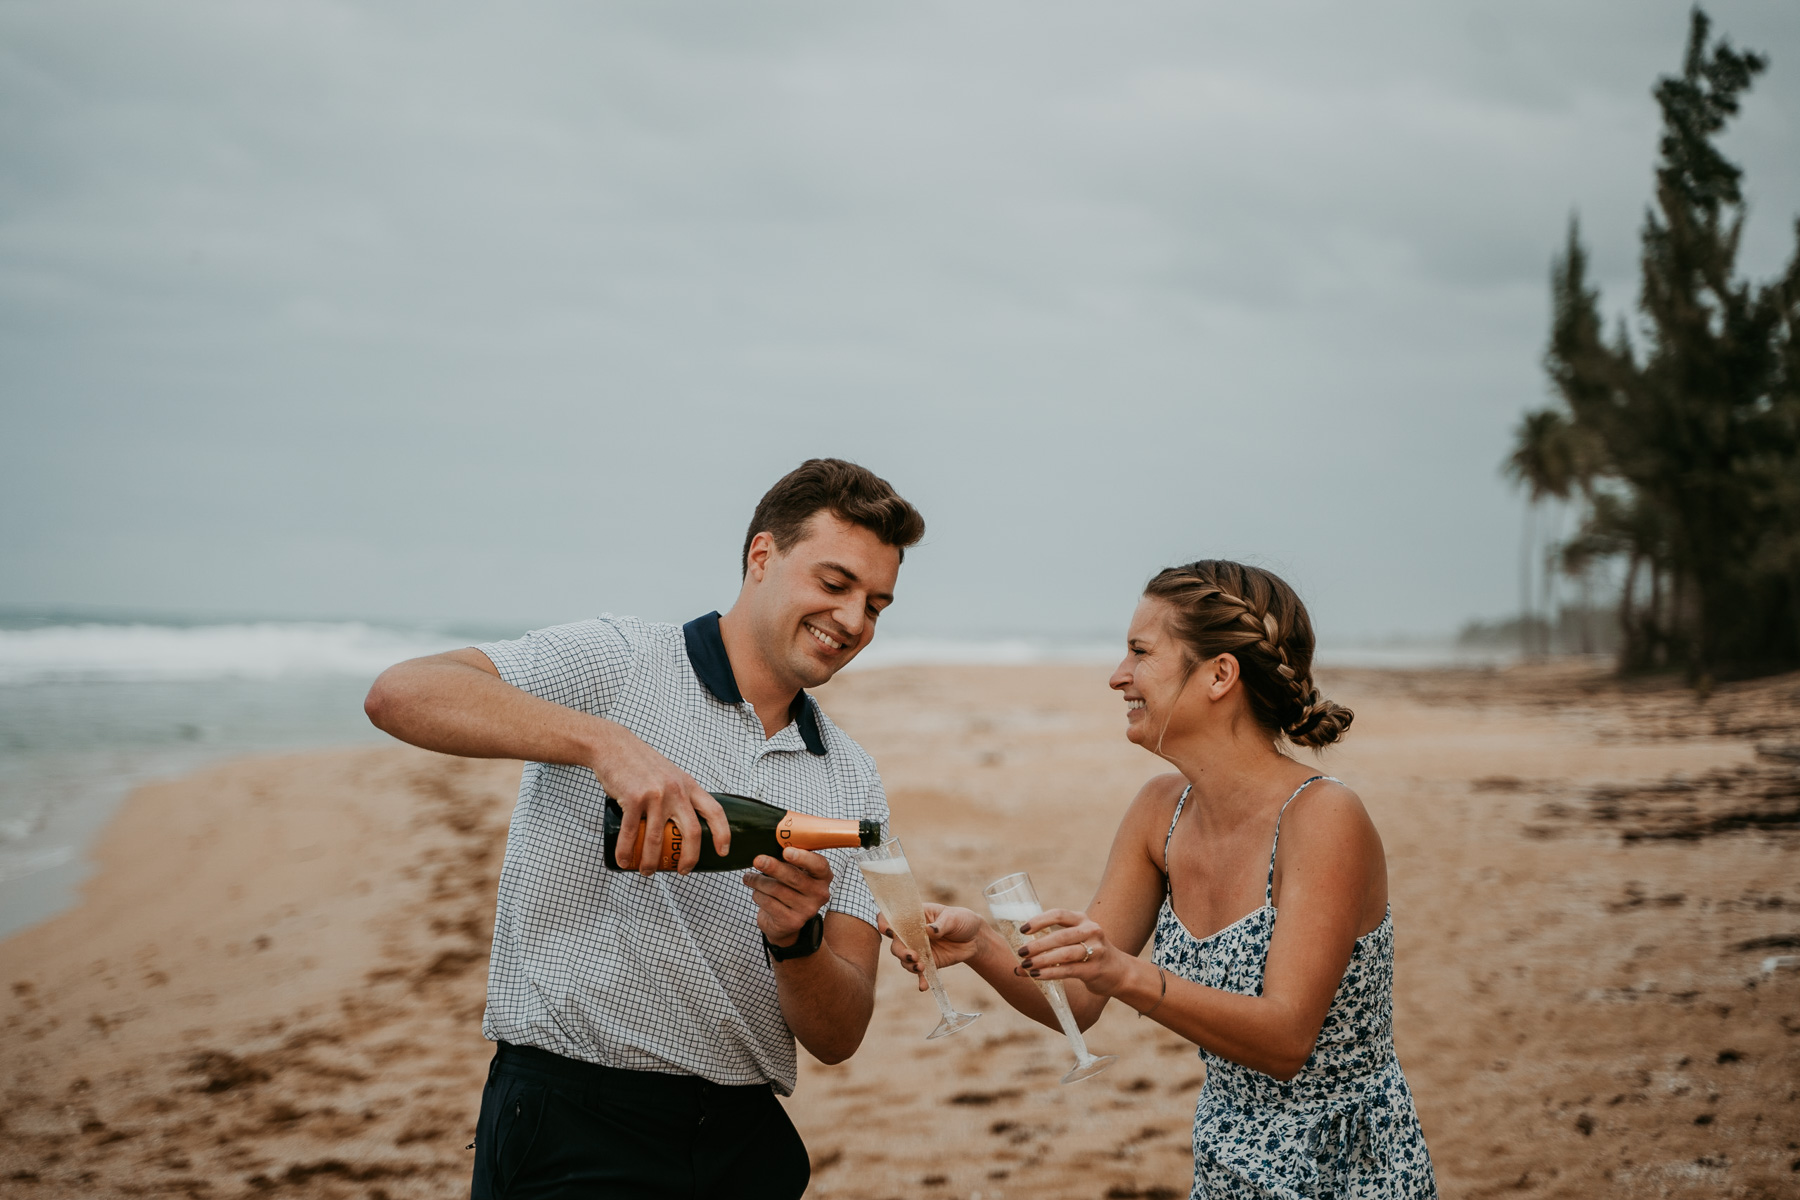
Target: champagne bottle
{"x":756,"y":828}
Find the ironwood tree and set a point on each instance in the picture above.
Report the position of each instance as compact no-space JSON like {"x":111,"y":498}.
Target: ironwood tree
{"x":1679,"y":439}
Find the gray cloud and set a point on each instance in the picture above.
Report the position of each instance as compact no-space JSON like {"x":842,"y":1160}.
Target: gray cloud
{"x":439,"y":310}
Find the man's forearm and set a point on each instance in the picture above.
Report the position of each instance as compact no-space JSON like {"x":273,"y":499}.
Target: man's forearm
{"x":449,"y":704}
{"x":826,"y":998}
{"x":456,"y":703}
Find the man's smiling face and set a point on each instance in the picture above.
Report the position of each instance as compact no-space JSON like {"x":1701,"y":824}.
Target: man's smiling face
{"x":813,"y":607}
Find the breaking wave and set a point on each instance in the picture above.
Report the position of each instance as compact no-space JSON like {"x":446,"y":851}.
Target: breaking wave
{"x":252,"y":650}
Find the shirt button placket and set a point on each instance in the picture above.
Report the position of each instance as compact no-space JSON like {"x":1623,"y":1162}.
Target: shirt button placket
{"x":752,"y":783}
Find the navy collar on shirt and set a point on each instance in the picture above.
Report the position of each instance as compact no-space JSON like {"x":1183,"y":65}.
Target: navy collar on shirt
{"x":706,"y":651}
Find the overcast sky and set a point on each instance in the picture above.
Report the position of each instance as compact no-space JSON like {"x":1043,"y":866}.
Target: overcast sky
{"x":511,"y":312}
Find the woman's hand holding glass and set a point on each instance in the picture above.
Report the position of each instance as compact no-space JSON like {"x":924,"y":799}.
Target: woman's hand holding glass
{"x":955,"y":938}
{"x":1077,"y":950}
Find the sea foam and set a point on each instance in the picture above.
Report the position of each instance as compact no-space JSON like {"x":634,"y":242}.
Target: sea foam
{"x":258,"y":650}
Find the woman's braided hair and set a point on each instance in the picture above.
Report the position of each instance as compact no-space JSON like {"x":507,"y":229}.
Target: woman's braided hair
{"x":1223,"y":607}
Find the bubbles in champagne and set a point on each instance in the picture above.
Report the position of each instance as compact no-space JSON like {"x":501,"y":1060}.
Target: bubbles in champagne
{"x":1013,"y":903}
{"x":1009,"y":915}
{"x":891,"y":882}
{"x":897,"y":892}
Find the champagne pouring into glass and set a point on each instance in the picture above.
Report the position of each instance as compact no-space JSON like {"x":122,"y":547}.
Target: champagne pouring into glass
{"x":897,"y":894}
{"x":1013,"y":902}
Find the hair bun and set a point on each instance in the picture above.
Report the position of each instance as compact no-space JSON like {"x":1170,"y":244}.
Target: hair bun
{"x":1321,"y":723}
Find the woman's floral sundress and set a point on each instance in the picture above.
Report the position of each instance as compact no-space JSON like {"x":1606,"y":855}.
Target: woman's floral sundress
{"x":1344,"y":1127}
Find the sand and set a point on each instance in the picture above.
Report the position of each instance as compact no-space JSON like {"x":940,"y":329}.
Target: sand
{"x":274,"y":982}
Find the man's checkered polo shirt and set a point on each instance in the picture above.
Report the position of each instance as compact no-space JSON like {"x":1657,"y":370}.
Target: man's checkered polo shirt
{"x":667,"y":973}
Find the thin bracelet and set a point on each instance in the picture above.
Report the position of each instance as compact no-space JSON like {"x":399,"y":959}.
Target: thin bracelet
{"x":1165,"y":994}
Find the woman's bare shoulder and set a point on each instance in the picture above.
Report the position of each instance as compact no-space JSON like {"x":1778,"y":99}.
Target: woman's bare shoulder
{"x":1329,"y":795}
{"x":1331,"y":850}
{"x":1329,"y":813}
{"x":1164,"y":789}
{"x":1154,"y":806}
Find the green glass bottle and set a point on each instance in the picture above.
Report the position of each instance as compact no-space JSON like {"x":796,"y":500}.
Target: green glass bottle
{"x":756,"y":829}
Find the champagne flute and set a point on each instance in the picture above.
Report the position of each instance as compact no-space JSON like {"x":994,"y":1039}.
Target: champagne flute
{"x":1013,"y":902}
{"x":897,"y":892}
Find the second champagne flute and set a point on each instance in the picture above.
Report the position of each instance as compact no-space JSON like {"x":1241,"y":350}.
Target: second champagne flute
{"x":897,"y":892}
{"x":1013,"y":902}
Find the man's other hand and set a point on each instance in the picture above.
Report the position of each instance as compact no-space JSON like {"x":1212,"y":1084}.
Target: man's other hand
{"x":789,"y":891}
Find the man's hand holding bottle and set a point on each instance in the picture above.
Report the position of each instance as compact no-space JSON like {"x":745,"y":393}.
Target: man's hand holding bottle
{"x":650,"y":788}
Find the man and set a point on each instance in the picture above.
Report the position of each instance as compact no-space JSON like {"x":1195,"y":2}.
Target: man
{"x":647,"y":1019}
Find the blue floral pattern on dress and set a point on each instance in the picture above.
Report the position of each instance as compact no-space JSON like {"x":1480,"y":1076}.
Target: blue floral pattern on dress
{"x":1345,"y":1126}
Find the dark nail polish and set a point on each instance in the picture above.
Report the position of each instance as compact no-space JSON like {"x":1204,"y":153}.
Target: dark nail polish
{"x":1033,"y":974}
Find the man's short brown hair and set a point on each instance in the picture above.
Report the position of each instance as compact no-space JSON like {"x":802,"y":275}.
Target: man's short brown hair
{"x":851,"y":493}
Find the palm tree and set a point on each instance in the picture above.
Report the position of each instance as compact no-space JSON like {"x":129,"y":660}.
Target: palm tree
{"x":1543,"y":462}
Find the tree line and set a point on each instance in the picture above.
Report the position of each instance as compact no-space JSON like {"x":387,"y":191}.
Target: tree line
{"x":1679,"y":442}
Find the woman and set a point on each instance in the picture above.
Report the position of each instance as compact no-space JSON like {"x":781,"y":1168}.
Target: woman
{"x":1293,"y":1016}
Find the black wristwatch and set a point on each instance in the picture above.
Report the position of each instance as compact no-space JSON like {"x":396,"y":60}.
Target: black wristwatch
{"x":812,"y":936}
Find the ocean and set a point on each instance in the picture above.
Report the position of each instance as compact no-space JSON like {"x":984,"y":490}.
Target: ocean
{"x":92,"y":705}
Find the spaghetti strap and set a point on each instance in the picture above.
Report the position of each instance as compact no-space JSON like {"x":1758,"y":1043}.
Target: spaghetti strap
{"x":1269,"y":888}
{"x":1169,"y":884}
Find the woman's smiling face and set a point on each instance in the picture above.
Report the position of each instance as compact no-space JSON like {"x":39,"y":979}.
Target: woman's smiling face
{"x":1151,"y":676}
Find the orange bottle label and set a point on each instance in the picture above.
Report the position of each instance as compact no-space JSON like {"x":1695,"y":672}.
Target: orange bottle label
{"x":671,"y":847}
{"x":818,"y":833}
